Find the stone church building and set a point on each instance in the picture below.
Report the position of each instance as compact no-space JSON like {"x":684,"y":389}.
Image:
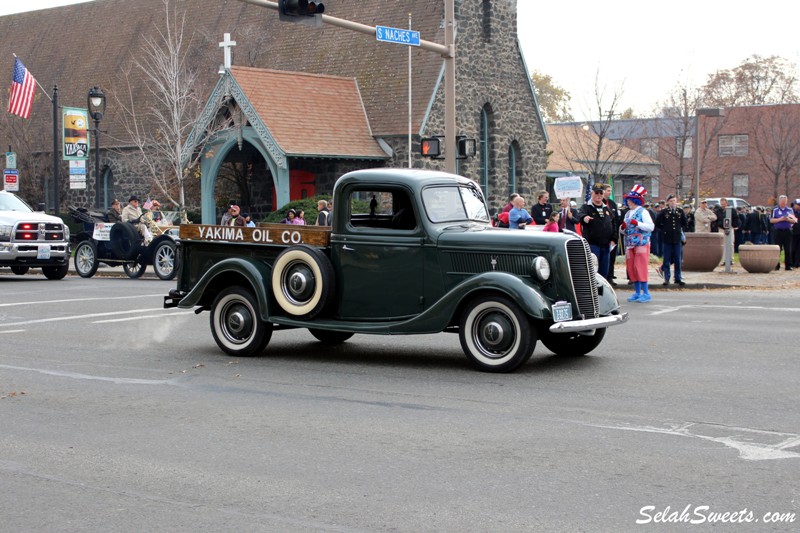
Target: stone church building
{"x":307,"y":104}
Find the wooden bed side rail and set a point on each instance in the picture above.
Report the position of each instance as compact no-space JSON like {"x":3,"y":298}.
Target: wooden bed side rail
{"x":275,"y":234}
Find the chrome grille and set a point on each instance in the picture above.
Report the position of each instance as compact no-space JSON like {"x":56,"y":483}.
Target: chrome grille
{"x":584,"y":283}
{"x":38,"y":231}
{"x":475,"y":263}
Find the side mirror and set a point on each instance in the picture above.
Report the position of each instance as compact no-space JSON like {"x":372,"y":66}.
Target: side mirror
{"x":40,"y":206}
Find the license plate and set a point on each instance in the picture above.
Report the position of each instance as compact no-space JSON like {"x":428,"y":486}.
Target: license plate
{"x":44,"y":252}
{"x":562,"y":312}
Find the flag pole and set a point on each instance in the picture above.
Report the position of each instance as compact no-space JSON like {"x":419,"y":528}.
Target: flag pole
{"x":37,"y":81}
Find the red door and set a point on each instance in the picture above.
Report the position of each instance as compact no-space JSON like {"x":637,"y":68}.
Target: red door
{"x":302,"y":184}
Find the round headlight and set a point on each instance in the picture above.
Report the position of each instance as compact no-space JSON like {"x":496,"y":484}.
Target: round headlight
{"x":541,"y":268}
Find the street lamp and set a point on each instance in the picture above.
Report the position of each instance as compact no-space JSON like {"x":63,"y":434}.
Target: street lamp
{"x":96,"y":102}
{"x":701,"y":112}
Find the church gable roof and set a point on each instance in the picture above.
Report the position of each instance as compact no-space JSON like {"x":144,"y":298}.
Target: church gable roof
{"x":310,"y":114}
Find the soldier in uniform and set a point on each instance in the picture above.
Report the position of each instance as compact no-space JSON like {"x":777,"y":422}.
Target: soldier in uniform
{"x":672,"y":222}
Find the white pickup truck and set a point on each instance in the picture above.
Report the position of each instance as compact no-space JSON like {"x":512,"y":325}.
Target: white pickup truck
{"x":32,"y":239}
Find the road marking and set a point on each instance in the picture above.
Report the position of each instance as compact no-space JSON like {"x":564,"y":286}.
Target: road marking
{"x":13,"y":331}
{"x":667,"y":309}
{"x":73,"y":375}
{"x":160,"y":317}
{"x":752,"y":450}
{"x":83,"y":317}
{"x":102,"y":299}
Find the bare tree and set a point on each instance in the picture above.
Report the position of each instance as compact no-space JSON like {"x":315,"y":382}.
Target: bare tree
{"x":756,"y":81}
{"x":158,"y":130}
{"x":777,"y":139}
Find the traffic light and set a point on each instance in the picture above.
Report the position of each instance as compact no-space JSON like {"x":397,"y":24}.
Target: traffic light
{"x":430,"y":147}
{"x":299,"y":10}
{"x":467,"y":148}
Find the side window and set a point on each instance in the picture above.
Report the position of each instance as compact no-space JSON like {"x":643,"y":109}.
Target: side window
{"x":382,"y":209}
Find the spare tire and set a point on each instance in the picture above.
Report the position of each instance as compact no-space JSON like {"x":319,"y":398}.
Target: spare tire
{"x":303,"y":281}
{"x":124,"y":240}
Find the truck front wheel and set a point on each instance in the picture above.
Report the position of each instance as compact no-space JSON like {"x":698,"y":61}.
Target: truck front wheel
{"x":236,"y":324}
{"x":496,"y":335}
{"x":573,"y":344}
{"x":56,"y":272}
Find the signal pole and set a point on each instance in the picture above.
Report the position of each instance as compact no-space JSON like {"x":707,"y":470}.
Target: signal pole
{"x":447,"y":51}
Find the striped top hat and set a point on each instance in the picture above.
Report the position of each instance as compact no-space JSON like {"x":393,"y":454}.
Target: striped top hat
{"x":637,"y":194}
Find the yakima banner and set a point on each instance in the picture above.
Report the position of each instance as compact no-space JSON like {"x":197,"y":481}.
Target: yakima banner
{"x":76,"y":133}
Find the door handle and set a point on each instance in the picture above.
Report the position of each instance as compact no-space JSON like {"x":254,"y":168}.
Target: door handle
{"x":347,"y":248}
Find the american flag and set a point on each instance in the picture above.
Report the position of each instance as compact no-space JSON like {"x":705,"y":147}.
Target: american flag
{"x":22,"y":88}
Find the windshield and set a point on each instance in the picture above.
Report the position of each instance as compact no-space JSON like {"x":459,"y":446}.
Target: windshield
{"x":454,"y":204}
{"x":9,"y":202}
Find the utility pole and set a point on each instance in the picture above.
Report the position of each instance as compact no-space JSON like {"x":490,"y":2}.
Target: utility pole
{"x":447,"y":51}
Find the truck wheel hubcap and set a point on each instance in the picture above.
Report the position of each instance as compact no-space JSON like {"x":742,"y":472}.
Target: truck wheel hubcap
{"x":299,"y":287}
{"x":495,"y":333}
{"x":238,"y":323}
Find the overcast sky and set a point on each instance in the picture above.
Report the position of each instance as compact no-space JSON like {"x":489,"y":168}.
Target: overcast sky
{"x":644,"y":48}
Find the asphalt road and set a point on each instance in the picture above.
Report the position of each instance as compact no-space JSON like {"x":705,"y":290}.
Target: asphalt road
{"x":117,"y":415}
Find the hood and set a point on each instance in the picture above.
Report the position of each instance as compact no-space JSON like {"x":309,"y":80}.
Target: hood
{"x":9,"y":218}
{"x":478,"y":237}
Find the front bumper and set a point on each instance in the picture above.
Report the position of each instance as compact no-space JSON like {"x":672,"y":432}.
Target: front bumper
{"x":32,"y":254}
{"x":589,"y":324}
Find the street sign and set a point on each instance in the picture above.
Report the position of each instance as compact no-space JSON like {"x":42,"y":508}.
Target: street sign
{"x":11,"y":160}
{"x":11,"y":180}
{"x":397,"y":35}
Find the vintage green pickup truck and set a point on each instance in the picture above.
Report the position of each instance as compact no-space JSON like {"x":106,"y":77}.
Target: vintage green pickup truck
{"x":409,"y":252}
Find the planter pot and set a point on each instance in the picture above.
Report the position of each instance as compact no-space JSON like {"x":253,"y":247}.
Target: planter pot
{"x":759,"y":258}
{"x":703,"y":251}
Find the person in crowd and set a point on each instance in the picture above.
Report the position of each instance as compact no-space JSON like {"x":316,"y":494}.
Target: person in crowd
{"x":291,"y":214}
{"x":133,"y":213}
{"x":597,"y":227}
{"x":672,"y":222}
{"x":519,"y":217}
{"x":614,"y":208}
{"x":637,"y":228}
{"x":510,"y":205}
{"x":552,"y":222}
{"x":655,"y":238}
{"x":752,"y":226}
{"x":114,"y":213}
{"x":300,"y":219}
{"x":248,"y":221}
{"x":687,"y":210}
{"x":796,"y":236}
{"x":782,"y":220}
{"x":542,"y":208}
{"x":704,"y":218}
{"x":324,"y":216}
{"x":568,"y":216}
{"x":232,"y":218}
{"x":739,"y":235}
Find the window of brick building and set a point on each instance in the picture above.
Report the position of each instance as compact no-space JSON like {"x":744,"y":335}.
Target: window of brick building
{"x":741,"y":185}
{"x":684,"y":146}
{"x":733,"y":145}
{"x":649,"y":147}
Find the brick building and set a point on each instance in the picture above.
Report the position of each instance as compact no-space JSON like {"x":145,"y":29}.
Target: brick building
{"x":85,"y":45}
{"x":750,"y":152}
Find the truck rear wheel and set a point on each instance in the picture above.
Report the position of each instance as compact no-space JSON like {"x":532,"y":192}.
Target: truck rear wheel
{"x":302,"y":281}
{"x":236,"y":323}
{"x":572,"y":344}
{"x":86,"y":259}
{"x":496,"y":335}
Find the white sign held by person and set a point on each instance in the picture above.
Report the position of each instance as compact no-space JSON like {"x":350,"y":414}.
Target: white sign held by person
{"x":568,"y":187}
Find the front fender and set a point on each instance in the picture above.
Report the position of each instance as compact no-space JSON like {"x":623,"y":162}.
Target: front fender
{"x":439,"y":316}
{"x":226,"y":273}
{"x":608,"y":298}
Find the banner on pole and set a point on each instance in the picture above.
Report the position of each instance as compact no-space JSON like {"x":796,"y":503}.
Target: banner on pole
{"x":75,"y":133}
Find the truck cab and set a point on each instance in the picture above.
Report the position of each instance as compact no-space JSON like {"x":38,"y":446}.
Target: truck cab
{"x":408,"y":252}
